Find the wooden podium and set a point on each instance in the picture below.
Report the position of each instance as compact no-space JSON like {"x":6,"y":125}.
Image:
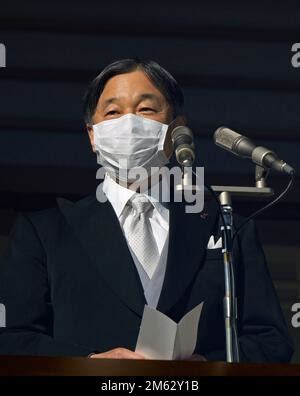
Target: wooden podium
{"x":58,"y":366}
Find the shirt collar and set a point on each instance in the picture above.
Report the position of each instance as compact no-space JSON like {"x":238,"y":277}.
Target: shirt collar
{"x":119,"y":195}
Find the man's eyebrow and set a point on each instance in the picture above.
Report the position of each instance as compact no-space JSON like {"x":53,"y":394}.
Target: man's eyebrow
{"x":109,"y":101}
{"x":144,"y":96}
{"x":148,"y":96}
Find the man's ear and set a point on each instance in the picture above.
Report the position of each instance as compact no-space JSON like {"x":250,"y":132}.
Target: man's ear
{"x":90,"y":131}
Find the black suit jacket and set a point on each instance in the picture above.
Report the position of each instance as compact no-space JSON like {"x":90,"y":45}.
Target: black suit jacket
{"x":70,"y":285}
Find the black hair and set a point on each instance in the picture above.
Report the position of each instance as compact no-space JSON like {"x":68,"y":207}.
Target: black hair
{"x":160,"y":77}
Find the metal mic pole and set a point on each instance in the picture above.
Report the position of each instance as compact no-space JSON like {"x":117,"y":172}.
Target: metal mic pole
{"x":230,"y":302}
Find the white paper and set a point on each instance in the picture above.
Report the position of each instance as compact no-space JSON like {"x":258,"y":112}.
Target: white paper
{"x":162,"y":338}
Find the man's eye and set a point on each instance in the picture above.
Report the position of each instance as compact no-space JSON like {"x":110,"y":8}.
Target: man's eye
{"x":147,"y":109}
{"x":111,"y":112}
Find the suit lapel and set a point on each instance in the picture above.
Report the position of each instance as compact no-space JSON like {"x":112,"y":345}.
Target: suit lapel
{"x":188,"y":239}
{"x":97,"y":228}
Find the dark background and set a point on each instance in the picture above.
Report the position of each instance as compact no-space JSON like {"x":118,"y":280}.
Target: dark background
{"x":232,"y":59}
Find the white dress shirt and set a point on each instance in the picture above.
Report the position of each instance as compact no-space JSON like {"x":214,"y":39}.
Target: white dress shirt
{"x":118,"y":196}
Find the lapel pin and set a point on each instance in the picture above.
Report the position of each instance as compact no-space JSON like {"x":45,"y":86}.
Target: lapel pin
{"x":204,"y":215}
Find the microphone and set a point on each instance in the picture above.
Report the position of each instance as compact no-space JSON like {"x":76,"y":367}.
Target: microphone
{"x":183,"y":143}
{"x":243,"y":147}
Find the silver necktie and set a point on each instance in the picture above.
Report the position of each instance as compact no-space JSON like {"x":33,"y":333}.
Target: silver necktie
{"x":140,"y":236}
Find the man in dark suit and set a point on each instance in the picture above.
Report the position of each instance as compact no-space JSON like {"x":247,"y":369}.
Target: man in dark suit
{"x":75,"y":278}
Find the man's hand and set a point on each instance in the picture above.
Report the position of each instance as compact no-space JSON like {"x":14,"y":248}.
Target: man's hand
{"x":118,"y":353}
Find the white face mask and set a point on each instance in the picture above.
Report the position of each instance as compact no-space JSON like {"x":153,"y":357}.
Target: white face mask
{"x":132,"y":141}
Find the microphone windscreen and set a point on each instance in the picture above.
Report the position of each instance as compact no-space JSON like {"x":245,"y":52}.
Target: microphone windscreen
{"x":181,"y":131}
{"x":226,"y":138}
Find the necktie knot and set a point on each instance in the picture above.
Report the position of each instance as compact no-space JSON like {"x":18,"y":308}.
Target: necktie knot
{"x":140,"y":204}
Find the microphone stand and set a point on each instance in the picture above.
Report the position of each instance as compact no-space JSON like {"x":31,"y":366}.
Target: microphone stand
{"x":230,"y":300}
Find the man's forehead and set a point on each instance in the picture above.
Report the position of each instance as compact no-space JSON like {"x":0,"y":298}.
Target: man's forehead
{"x":136,"y":83}
{"x":140,"y":96}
